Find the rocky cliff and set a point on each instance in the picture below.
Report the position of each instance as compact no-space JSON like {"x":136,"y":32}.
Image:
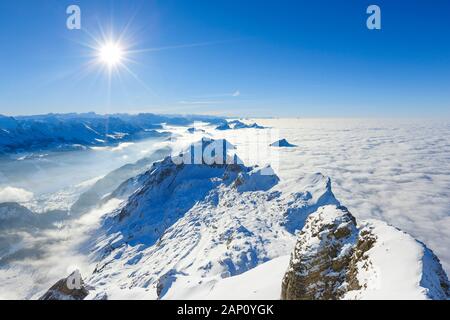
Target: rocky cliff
{"x":335,"y":258}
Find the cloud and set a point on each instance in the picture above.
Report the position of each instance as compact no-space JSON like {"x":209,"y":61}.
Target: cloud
{"x":122,"y":146}
{"x":382,"y":169}
{"x":11,"y":194}
{"x":237,"y":93}
{"x":42,"y":257}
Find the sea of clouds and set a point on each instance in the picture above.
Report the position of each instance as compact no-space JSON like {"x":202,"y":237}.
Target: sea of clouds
{"x":389,"y":169}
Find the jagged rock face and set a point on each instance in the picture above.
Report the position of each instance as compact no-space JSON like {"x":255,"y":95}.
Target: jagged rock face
{"x":320,"y":263}
{"x":336,"y":259}
{"x":70,"y":288}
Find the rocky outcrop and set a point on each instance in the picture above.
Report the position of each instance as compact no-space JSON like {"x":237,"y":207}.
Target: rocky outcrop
{"x":321,"y":260}
{"x":70,"y":288}
{"x":334,"y":259}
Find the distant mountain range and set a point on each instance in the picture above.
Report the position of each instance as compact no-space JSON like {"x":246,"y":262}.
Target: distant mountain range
{"x":77,"y":131}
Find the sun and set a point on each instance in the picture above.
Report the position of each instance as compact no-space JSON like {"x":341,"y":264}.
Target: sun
{"x":111,"y":54}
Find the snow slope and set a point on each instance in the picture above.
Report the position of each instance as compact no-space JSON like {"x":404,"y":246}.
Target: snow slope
{"x":204,"y":221}
{"x":401,"y":268}
{"x":259,"y":283}
{"x":198,"y":230}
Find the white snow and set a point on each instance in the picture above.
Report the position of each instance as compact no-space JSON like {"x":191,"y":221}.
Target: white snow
{"x":396,"y":268}
{"x":261,"y":283}
{"x":190,"y":221}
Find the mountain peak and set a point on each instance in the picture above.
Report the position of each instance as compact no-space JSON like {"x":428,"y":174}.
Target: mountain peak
{"x":336,"y":259}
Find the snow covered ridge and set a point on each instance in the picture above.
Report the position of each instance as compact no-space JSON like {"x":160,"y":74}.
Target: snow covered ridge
{"x":75,"y":131}
{"x":199,"y":224}
{"x":223,"y":230}
{"x":335,"y":258}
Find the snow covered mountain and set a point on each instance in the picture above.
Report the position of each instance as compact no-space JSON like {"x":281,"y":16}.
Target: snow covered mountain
{"x":336,"y":258}
{"x":75,"y":131}
{"x":237,"y":124}
{"x":220,"y":230}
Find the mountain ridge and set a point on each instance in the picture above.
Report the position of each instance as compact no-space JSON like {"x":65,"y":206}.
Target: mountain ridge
{"x":75,"y":131}
{"x":206,"y":226}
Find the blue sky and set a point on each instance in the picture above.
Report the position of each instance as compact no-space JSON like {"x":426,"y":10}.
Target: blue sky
{"x":249,"y":58}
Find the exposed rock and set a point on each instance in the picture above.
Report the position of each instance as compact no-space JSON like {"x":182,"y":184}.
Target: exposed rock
{"x":257,"y":179}
{"x":322,"y":255}
{"x":334,"y":259}
{"x":165,"y":282}
{"x":70,"y":288}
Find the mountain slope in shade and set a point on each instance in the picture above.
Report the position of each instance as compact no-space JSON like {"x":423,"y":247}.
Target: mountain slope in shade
{"x":198,"y":230}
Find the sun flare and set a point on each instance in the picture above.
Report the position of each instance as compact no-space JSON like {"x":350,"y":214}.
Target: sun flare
{"x":111,"y":54}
